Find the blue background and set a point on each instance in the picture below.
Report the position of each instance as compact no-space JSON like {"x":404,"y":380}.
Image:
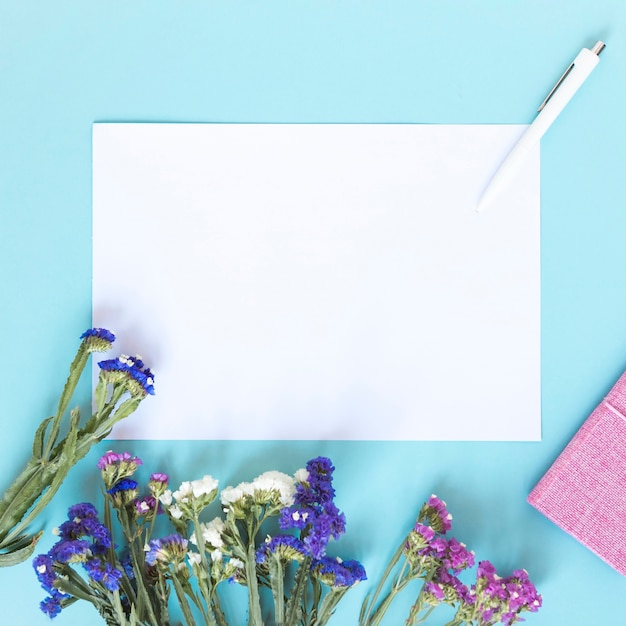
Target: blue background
{"x":66,"y":64}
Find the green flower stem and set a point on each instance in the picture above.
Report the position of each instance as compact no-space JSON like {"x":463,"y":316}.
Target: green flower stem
{"x":255,"y":617}
{"x":220,"y":618}
{"x":76,"y":369}
{"x":117,"y":606}
{"x":294,"y":605}
{"x":277,"y":584}
{"x":329,"y":604}
{"x":182,"y":600}
{"x":370,"y":602}
{"x":144,"y":601}
{"x":204,"y":583}
{"x":50,"y":476}
{"x":33,"y":489}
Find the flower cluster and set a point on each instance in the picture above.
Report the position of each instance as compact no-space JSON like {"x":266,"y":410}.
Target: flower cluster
{"x":98,"y":339}
{"x":494,"y":599}
{"x":438,"y":560}
{"x":337,"y":573}
{"x":147,"y":568}
{"x":130,"y":371}
{"x":82,"y":539}
{"x":167,"y":550}
{"x":57,"y":449}
{"x":314,"y":512}
{"x":190,"y":498}
{"x":137,"y":581}
{"x":272,"y":490}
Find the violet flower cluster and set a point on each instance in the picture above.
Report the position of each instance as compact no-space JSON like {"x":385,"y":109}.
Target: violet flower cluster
{"x":439,"y":561}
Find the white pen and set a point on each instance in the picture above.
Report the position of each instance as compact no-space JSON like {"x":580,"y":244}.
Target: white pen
{"x":574,"y":76}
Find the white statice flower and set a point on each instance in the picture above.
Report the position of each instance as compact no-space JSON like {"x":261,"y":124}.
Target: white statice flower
{"x":236,"y":563}
{"x":274,"y":481}
{"x":302,"y":475}
{"x":230,"y":495}
{"x":211,"y":533}
{"x":194,"y":558}
{"x":175,"y":512}
{"x":203,"y":486}
{"x":216,"y":556}
{"x":184,"y":492}
{"x":166,"y":497}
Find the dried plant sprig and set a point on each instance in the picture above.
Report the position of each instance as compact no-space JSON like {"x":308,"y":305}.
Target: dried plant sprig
{"x":123,"y":384}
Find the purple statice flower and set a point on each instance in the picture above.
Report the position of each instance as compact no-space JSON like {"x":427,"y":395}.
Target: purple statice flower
{"x":147,"y":504}
{"x":158,"y":484}
{"x":457,"y":557}
{"x":98,"y":339}
{"x":121,"y":459}
{"x":454,"y":590}
{"x":337,"y":573}
{"x":130,"y":371}
{"x":105,"y":573}
{"x":116,"y":466}
{"x":287,"y":547}
{"x":434,"y":592}
{"x":500,"y":599}
{"x":436,"y":515}
{"x":169,"y":549}
{"x":314,"y":513}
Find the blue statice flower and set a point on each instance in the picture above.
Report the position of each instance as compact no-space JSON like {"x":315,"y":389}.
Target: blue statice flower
{"x":123,"y":491}
{"x":43,"y":565}
{"x":83,"y":522}
{"x":126,"y":484}
{"x":337,"y":573}
{"x":51,"y":606}
{"x":71,"y":551}
{"x":127,"y":563}
{"x":130,"y":371}
{"x":169,"y":549}
{"x":314,"y":513}
{"x":82,"y":539}
{"x":98,"y":339}
{"x":287,"y":547}
{"x":105,"y":573}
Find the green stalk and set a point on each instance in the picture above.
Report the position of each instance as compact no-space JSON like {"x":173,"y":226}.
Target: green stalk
{"x":143,"y":596}
{"x":255,"y":617}
{"x":329,"y":604}
{"x":277,"y":584}
{"x":294,"y":606}
{"x":76,"y":369}
{"x":182,"y":600}
{"x":370,"y":602}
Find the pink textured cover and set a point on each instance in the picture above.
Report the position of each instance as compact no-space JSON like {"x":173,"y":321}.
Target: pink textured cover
{"x":584,"y":492}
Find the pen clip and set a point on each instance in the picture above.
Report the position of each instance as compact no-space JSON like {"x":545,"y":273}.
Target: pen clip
{"x":553,"y":90}
{"x":597,"y":49}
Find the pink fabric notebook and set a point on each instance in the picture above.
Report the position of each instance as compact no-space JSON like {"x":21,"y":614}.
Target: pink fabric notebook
{"x":584,"y":492}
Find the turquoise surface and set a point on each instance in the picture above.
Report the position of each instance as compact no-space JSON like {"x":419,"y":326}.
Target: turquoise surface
{"x":66,"y":64}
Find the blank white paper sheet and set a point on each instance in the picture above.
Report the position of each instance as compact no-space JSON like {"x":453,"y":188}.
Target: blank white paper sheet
{"x":320,"y":281}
